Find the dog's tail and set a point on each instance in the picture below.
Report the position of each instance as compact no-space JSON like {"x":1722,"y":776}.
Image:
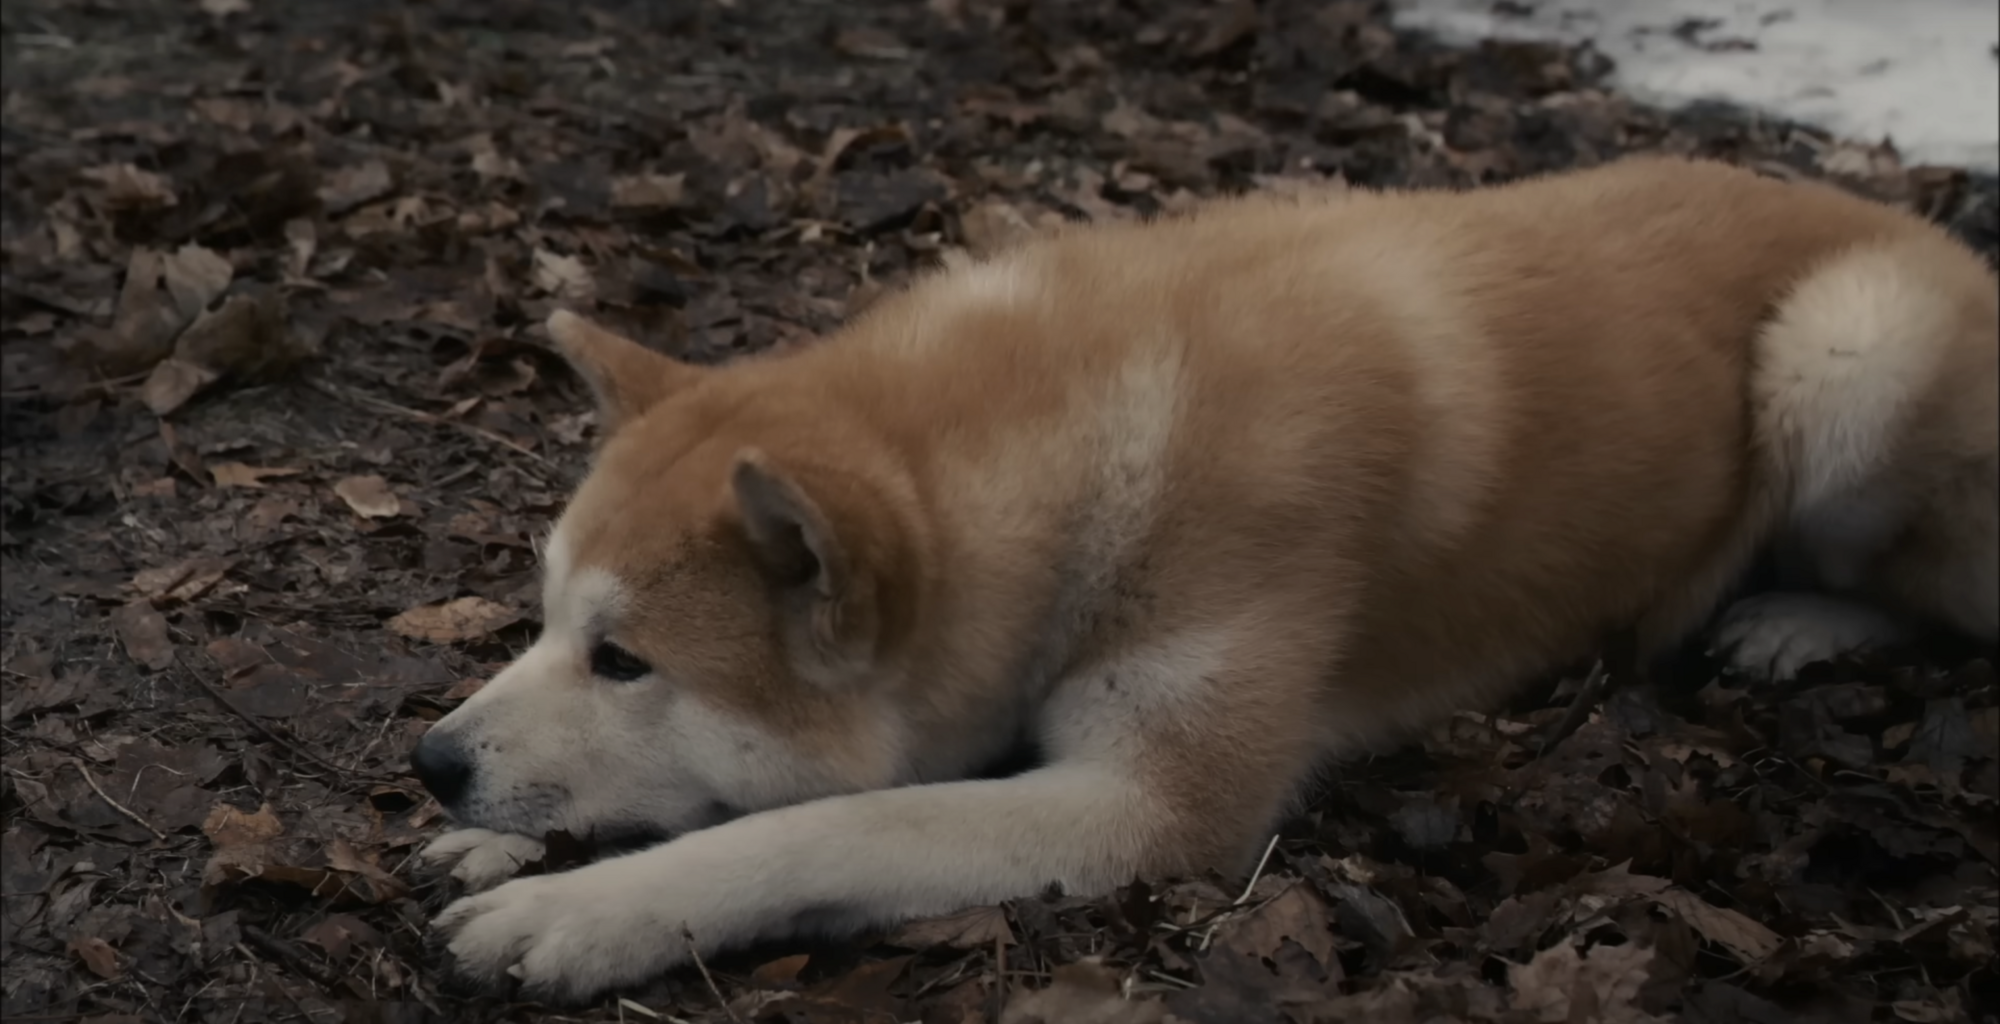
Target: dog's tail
{"x":1876,"y":402}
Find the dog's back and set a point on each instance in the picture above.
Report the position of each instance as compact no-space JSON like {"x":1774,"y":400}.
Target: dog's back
{"x":1485,"y":429}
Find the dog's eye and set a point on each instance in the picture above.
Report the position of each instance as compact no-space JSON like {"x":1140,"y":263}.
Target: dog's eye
{"x":616,"y":663}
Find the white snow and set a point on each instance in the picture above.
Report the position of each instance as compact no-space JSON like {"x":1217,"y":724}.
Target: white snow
{"x":1921,"y":73}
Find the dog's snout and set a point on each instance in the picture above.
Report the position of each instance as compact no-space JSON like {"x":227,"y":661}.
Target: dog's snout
{"x":442,"y":766}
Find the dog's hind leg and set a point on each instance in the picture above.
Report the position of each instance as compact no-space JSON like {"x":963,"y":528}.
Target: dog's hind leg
{"x":1877,"y":406}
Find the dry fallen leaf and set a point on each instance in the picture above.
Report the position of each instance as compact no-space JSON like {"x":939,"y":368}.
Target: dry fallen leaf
{"x":369,"y":496}
{"x":302,"y":240}
{"x":337,"y":934}
{"x":182,"y":581}
{"x":976,"y":928}
{"x":236,"y":474}
{"x":1297,"y":914}
{"x":1085,"y":992}
{"x":563,"y":277}
{"x":1561,"y":985}
{"x":1749,"y":940}
{"x":648,"y":191}
{"x":466,"y":618}
{"x":128,"y":187}
{"x":228,"y":827}
{"x":172,"y":383}
{"x":144,"y":634}
{"x":144,"y":323}
{"x":194,"y":276}
{"x":1618,"y":880}
{"x":465,"y":688}
{"x":245,"y":339}
{"x":993,"y":225}
{"x":780,"y":973}
{"x":97,"y":955}
{"x":384,"y":887}
{"x":350,"y":187}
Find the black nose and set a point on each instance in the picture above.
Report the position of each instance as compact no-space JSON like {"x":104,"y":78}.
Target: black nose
{"x":442,"y":766}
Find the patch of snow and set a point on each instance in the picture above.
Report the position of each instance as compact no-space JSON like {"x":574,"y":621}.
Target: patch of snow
{"x":1921,"y":73}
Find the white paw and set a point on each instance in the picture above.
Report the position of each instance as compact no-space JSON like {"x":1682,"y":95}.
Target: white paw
{"x":567,"y":939}
{"x":484,"y":858}
{"x":1776,"y":635}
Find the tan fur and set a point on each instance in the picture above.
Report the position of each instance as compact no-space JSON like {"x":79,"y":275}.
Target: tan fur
{"x":1197,"y":504}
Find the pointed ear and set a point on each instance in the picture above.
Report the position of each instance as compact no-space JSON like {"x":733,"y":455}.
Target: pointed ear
{"x":626,"y":377}
{"x":828,"y":599}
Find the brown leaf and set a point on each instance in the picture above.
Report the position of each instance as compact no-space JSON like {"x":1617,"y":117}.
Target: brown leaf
{"x":172,"y":383}
{"x":227,"y":827}
{"x":369,"y":496}
{"x":194,"y":276}
{"x":128,"y":187}
{"x":341,"y":857}
{"x":349,"y":187}
{"x":976,"y":928}
{"x":864,"y":988}
{"x":465,"y":688}
{"x":1748,"y":939}
{"x":648,"y":191}
{"x":1560,"y":985}
{"x":181,"y":582}
{"x":563,"y":277}
{"x":337,"y":934}
{"x":1085,"y":992}
{"x":302,"y":240}
{"x":245,"y":339}
{"x":870,"y":44}
{"x":1618,"y":880}
{"x":780,"y":973}
{"x":97,"y":955}
{"x":144,"y":634}
{"x":466,"y":618}
{"x":143,"y":325}
{"x":1297,"y":914}
{"x":992,"y":225}
{"x":236,"y":474}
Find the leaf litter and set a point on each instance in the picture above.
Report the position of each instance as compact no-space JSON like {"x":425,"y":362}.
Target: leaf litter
{"x":280,"y":433}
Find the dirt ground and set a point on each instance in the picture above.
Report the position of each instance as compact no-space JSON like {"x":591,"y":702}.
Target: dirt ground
{"x":279,"y":429}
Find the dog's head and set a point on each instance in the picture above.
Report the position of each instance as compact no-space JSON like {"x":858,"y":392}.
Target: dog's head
{"x":721,"y":601}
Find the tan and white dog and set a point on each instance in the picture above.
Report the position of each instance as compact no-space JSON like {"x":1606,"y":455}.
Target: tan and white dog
{"x":1195,"y":506}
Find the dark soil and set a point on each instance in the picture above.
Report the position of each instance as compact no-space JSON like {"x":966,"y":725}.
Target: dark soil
{"x":279,"y":434}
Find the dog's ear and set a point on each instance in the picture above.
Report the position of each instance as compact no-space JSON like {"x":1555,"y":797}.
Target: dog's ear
{"x":818,"y":563}
{"x":626,"y":377}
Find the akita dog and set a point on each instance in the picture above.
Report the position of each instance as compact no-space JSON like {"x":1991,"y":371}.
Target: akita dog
{"x":1195,"y":505}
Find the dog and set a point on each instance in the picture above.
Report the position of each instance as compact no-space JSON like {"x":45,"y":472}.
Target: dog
{"x":1195,"y":505}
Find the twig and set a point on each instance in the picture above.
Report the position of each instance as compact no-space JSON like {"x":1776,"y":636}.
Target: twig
{"x":257,"y":967}
{"x":269,"y":733}
{"x":115,"y":805}
{"x":1259,"y":873}
{"x":350,"y":395}
{"x":688,"y":934}
{"x":1209,"y":935}
{"x":1619,"y":665}
{"x":280,"y":951}
{"x":1579,"y":709}
{"x":999,"y":978}
{"x":104,"y":384}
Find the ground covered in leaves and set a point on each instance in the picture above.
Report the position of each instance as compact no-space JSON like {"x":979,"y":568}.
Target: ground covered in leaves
{"x":279,"y":428}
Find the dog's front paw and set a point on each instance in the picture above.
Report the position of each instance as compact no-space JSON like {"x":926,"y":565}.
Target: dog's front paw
{"x":1776,"y":635}
{"x":481,"y":858}
{"x":566,"y":939}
